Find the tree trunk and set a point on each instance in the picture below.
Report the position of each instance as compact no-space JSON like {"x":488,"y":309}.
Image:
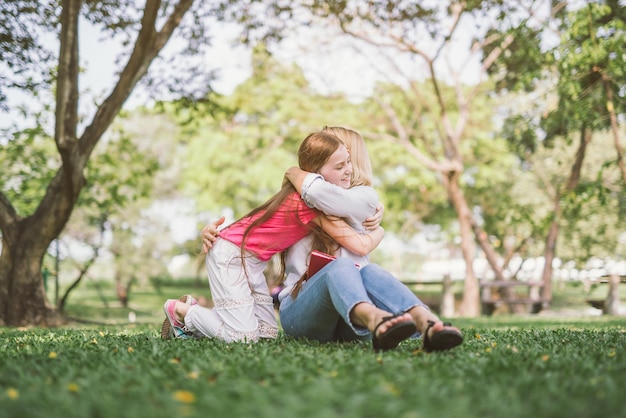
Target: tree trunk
{"x":24,"y":244}
{"x":553,"y":233}
{"x":492,"y":259}
{"x":121,"y":291}
{"x":549,"y":252}
{"x":81,"y":275}
{"x":447,"y":298}
{"x":614,"y":126}
{"x":470,"y":305}
{"x":612,"y":298}
{"x":22,"y":294}
{"x":25,"y":240}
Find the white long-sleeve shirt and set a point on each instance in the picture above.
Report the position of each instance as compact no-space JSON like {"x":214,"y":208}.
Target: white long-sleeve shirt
{"x":355,"y":205}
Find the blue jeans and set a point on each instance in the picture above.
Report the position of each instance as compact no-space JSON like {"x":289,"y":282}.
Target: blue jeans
{"x":321,"y":311}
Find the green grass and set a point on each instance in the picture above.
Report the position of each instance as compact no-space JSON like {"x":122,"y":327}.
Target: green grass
{"x":146,"y":302}
{"x":507,"y":367}
{"x":97,"y":301}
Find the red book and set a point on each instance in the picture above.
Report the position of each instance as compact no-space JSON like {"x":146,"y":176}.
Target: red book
{"x":318,"y":260}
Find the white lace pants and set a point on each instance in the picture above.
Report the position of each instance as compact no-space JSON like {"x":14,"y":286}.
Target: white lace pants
{"x":243,"y":308}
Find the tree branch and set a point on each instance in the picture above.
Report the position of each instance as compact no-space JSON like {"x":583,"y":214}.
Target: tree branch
{"x":148,"y":45}
{"x":63,"y":189}
{"x":614,"y":126}
{"x":8,"y":216}
{"x":66,"y":112}
{"x":403,"y":139}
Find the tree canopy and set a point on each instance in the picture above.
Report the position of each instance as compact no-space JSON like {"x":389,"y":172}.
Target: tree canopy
{"x":502,"y":161}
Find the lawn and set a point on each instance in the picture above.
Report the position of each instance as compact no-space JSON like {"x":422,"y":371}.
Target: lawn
{"x":509,"y":366}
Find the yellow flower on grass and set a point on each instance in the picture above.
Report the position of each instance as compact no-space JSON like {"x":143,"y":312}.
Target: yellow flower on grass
{"x":13,"y":393}
{"x":193,"y":375}
{"x":131,"y":350}
{"x":612,"y":353}
{"x":392,"y":389}
{"x":545,"y":357}
{"x":73,"y":387}
{"x":52,"y":354}
{"x":184,"y":396}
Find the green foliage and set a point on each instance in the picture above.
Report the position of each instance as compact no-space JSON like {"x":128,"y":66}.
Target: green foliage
{"x":520,"y":207}
{"x":24,"y":55}
{"x":413,"y":194}
{"x":118,"y":175}
{"x":587,"y":53}
{"x":232,"y":151}
{"x":578,"y":71}
{"x":29,"y":162}
{"x":515,"y":369}
{"x":584,"y":57}
{"x":146,"y":173}
{"x":121,"y":181}
{"x":593,"y":215}
{"x":523,"y":62}
{"x":240,"y":146}
{"x":522,"y":135}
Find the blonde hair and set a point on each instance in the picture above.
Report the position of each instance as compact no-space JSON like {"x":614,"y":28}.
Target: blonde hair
{"x":361,"y":176}
{"x":313,"y":153}
{"x":361,"y":165}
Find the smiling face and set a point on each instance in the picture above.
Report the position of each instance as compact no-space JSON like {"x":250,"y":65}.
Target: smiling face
{"x":338,"y":169}
{"x":325,"y":154}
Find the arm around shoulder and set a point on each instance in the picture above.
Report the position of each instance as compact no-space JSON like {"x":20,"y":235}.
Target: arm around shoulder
{"x":300,"y":178}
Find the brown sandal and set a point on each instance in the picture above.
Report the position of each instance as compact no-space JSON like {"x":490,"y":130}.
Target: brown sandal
{"x":443,"y":340}
{"x":392,"y":337}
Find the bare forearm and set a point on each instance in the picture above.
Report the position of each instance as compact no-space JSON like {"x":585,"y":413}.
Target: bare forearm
{"x":296,"y":177}
{"x":345,"y":236}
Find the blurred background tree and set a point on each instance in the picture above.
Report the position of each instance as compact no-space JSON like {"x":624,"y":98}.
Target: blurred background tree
{"x":488,"y":130}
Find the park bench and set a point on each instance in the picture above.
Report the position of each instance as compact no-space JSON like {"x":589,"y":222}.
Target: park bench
{"x":492,"y":295}
{"x":444,"y":304}
{"x":610,"y":304}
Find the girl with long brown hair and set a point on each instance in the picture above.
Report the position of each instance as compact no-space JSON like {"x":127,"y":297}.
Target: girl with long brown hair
{"x":243,"y":309}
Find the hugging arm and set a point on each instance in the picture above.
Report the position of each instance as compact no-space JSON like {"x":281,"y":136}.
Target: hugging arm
{"x":297,"y":176}
{"x":345,"y":236}
{"x":359,"y":205}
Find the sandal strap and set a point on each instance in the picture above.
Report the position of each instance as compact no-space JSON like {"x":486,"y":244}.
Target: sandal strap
{"x":385,"y":319}
{"x":426,"y":337}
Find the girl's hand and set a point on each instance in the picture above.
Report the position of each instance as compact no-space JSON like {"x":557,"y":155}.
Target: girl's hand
{"x":374,"y":221}
{"x":209,"y":234}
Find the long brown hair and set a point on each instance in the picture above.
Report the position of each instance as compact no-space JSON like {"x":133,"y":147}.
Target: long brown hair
{"x":361,"y":176}
{"x":313,"y":153}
